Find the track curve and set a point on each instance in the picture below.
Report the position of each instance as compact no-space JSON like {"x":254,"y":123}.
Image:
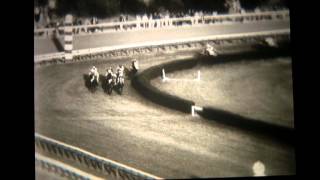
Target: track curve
{"x":260,"y":89}
{"x":146,"y":136}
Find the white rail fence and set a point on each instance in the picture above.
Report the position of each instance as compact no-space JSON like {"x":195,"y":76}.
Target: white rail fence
{"x":62,"y":169}
{"x":169,"y":22}
{"x":92,"y":161}
{"x":50,"y":56}
{"x":80,"y":52}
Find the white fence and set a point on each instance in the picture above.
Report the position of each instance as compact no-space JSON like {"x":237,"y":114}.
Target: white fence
{"x":62,"y":169}
{"x":47,"y":57}
{"x":60,"y":55}
{"x":95,"y":162}
{"x":170,"y":22}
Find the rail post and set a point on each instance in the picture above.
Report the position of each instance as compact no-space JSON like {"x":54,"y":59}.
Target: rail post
{"x":194,"y":109}
{"x":164,"y":78}
{"x":68,"y":37}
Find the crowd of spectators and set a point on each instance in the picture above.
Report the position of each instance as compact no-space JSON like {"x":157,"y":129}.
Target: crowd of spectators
{"x":45,"y":17}
{"x":42,"y":20}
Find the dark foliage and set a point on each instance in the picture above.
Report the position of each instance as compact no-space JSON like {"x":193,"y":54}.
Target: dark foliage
{"x":99,"y":8}
{"x":104,"y":8}
{"x":132,"y":6}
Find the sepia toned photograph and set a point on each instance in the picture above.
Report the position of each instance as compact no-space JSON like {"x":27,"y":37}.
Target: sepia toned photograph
{"x":163,"y":89}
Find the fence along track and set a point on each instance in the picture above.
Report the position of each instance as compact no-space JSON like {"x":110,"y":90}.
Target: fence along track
{"x":62,"y":169}
{"x":174,"y":22}
{"x":156,"y":46}
{"x":98,"y":163}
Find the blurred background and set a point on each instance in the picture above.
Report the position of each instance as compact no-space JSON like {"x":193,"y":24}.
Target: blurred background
{"x":49,"y":13}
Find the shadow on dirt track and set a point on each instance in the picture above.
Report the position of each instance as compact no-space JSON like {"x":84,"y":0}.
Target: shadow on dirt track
{"x":280,"y":133}
{"x":58,"y":44}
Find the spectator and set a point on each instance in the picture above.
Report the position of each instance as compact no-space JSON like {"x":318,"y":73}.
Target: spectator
{"x":86,"y":22}
{"x":138,"y":18}
{"x":37,"y":14}
{"x":151,"y":24}
{"x":167,"y":19}
{"x":196,"y":18}
{"x":145,"y":20}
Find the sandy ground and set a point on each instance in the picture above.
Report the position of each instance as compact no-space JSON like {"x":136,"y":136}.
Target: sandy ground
{"x":138,"y":133}
{"x":260,"y":89}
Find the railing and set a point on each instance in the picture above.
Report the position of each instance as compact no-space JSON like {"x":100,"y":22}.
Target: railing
{"x":98,"y":163}
{"x":81,"y":52}
{"x":46,"y":57}
{"x":171,"y":22}
{"x":62,"y":169}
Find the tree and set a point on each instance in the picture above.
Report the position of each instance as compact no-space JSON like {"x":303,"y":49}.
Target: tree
{"x":171,"y":5}
{"x":205,"y":5}
{"x":132,"y":6}
{"x":99,"y":8}
{"x":233,"y":6}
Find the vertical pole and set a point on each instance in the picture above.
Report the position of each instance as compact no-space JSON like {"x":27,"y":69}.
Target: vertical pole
{"x":121,"y":26}
{"x":139,"y":22}
{"x":198,"y":75}
{"x":68,"y":37}
{"x":163,"y":75}
{"x":192,"y":110}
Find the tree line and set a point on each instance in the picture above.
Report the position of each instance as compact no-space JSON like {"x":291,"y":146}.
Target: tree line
{"x":105,"y":8}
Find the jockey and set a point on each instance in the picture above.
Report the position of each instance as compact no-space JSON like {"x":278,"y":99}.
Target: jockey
{"x":135,"y":65}
{"x":120,"y":73}
{"x":210,"y":50}
{"x":94,"y":72}
{"x":109,"y":73}
{"x":120,"y":70}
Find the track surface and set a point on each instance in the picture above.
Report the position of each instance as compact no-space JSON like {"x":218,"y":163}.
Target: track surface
{"x":46,"y":45}
{"x":138,"y":133}
{"x":259,"y":89}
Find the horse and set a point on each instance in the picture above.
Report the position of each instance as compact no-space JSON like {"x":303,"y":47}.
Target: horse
{"x":91,"y":85}
{"x":119,"y":84}
{"x":130,"y":72}
{"x":109,"y":84}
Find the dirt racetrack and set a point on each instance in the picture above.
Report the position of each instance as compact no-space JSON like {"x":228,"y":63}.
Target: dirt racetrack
{"x":259,"y":89}
{"x":138,"y":133}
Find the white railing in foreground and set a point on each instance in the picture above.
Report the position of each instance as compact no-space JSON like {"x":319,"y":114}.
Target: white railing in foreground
{"x":62,"y":169}
{"x":174,"y":22}
{"x":99,"y":163}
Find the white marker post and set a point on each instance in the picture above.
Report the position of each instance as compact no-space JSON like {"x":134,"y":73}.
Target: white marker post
{"x":163,"y":75}
{"x":68,"y":37}
{"x":195,"y":109}
{"x":198,"y":78}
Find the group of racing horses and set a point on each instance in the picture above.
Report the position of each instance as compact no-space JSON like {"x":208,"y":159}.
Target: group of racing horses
{"x":115,"y":81}
{"x":109,"y":82}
